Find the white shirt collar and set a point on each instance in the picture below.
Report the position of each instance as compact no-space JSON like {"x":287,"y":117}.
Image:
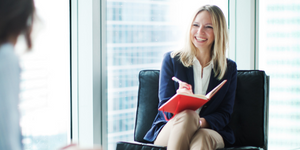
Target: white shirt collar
{"x":211,"y":63}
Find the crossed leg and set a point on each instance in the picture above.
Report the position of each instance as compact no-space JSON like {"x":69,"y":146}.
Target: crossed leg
{"x":182,"y":133}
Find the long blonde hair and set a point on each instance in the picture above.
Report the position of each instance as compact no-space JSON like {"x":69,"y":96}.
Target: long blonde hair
{"x":218,"y":50}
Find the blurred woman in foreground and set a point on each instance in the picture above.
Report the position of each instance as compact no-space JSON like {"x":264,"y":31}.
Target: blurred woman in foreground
{"x":15,"y":19}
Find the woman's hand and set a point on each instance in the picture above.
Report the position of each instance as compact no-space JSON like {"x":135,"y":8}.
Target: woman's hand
{"x":184,"y":88}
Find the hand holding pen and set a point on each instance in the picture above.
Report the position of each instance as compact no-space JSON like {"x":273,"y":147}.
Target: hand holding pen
{"x":183,"y":86}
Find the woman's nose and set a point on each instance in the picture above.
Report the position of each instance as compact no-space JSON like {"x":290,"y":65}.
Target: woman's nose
{"x":200,"y":30}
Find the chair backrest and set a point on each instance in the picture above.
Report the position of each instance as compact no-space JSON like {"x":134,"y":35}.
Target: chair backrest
{"x":147,"y":104}
{"x":249,"y":120}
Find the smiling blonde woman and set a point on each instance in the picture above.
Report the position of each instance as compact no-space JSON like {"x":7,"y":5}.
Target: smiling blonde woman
{"x":201,"y":64}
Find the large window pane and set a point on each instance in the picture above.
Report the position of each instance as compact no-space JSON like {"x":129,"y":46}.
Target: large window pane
{"x":138,"y":34}
{"x":45,"y":79}
{"x":279,"y":56}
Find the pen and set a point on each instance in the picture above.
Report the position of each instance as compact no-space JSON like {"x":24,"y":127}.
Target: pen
{"x":178,"y":81}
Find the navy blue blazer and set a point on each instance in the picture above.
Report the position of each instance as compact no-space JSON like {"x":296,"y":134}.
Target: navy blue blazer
{"x":216,"y":112}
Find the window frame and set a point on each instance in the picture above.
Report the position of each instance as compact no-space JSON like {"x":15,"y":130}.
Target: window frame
{"x":243,"y":30}
{"x":87,"y":75}
{"x":88,"y":62}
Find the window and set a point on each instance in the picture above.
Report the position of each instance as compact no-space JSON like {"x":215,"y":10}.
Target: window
{"x":45,"y":79}
{"x":138,"y":34}
{"x":279,"y":56}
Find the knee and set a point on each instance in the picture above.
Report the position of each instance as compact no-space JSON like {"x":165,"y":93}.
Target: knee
{"x":188,"y":115}
{"x":204,"y":133}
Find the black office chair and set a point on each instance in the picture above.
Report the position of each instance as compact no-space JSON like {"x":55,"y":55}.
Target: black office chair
{"x":249,"y":119}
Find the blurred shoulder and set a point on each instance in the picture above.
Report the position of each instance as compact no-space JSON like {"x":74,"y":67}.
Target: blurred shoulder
{"x":7,"y":54}
{"x":9,"y":61}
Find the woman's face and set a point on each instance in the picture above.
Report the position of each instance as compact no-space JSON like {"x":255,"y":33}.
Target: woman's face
{"x":202,"y":34}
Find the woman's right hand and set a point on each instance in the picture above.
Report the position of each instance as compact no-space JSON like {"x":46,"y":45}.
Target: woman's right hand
{"x":184,"y":88}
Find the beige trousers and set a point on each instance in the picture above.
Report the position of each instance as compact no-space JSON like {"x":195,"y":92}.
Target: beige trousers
{"x":182,"y":132}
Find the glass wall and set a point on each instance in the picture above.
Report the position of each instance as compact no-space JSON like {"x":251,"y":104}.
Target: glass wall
{"x":138,"y":34}
{"x":279,"y":56}
{"x":45,"y":79}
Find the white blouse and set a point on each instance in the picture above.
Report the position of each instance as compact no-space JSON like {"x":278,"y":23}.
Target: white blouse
{"x":201,"y":84}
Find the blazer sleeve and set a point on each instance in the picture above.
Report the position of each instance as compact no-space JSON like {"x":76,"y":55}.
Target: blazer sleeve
{"x":167,"y":87}
{"x":219,"y":116}
{"x":166,"y":91}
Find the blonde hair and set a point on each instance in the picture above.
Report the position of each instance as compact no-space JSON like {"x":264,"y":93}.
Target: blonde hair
{"x":218,"y":49}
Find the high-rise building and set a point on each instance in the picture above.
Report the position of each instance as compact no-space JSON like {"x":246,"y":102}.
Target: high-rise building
{"x":279,"y":56}
{"x":138,"y":34}
{"x":45,"y":78}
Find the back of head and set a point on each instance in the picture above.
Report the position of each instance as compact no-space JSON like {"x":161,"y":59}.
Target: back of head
{"x":16,"y":18}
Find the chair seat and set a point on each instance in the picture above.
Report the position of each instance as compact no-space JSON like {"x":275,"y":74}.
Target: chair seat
{"x":138,"y":146}
{"x":145,"y":146}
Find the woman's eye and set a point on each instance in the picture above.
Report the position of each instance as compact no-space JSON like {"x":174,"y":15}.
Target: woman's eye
{"x":209,"y":27}
{"x":196,"y":25}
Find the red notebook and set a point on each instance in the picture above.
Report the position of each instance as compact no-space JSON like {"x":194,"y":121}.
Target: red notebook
{"x":180,"y":102}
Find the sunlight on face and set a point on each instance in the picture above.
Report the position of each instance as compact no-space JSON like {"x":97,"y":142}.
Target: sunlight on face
{"x":202,"y":34}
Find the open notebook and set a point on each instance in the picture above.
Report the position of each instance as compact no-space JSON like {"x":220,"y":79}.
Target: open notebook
{"x":180,"y":101}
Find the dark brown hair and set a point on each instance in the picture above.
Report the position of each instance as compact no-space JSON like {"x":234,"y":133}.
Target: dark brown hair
{"x":16,"y":17}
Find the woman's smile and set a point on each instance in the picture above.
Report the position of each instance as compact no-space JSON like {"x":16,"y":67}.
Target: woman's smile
{"x":202,"y":33}
{"x":200,"y":39}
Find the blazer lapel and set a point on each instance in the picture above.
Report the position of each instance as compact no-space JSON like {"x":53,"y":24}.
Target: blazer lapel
{"x":190,"y":77}
{"x":213,"y":82}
